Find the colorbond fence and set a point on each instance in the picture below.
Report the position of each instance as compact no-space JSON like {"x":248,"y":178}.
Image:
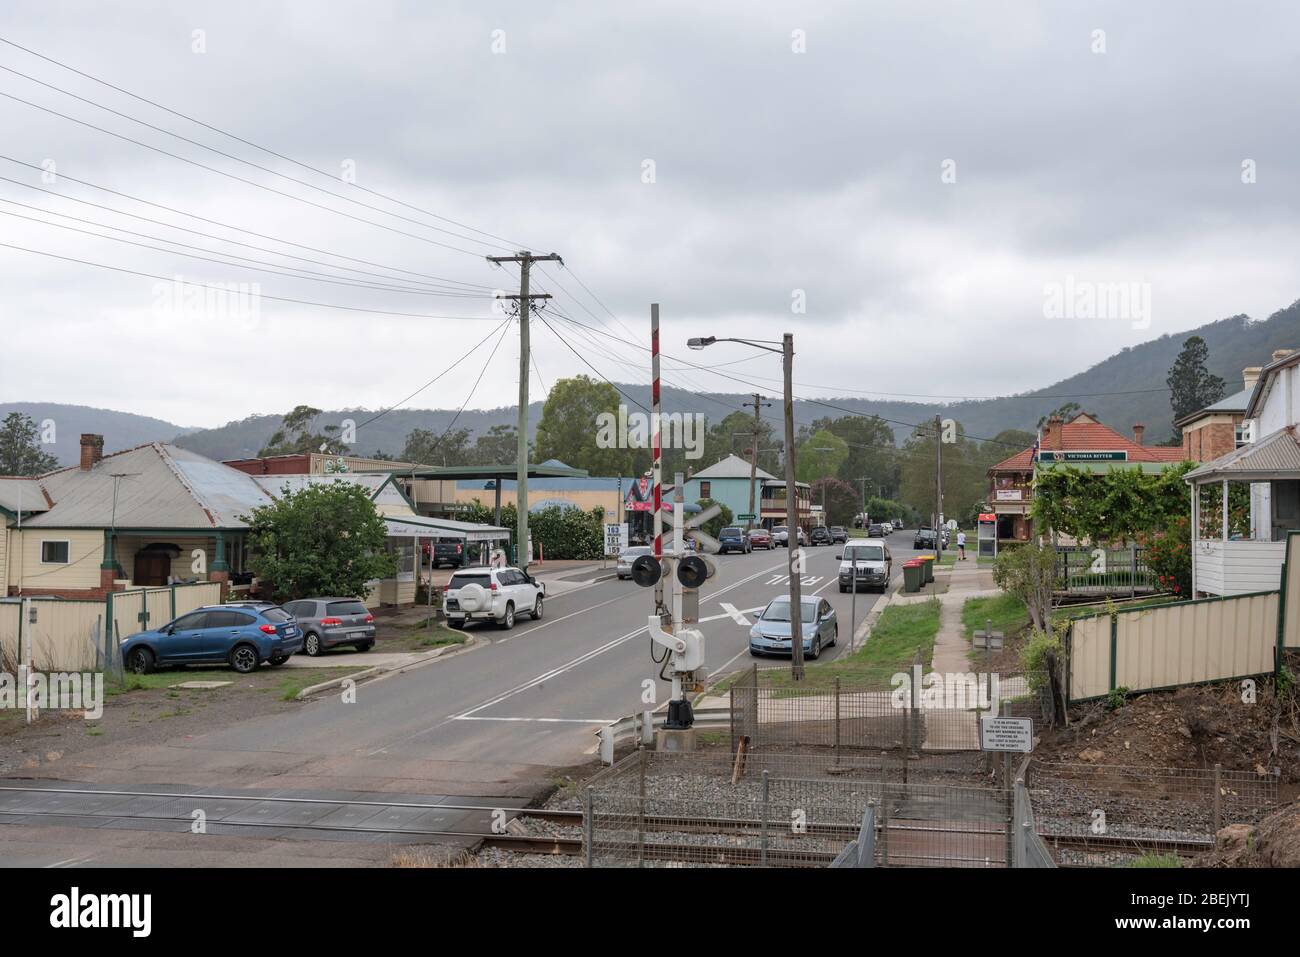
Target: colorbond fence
{"x":73,"y":635}
{"x":1212,"y":639}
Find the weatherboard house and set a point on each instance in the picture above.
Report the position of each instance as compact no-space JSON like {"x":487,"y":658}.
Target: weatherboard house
{"x":158,"y":514}
{"x":1082,"y":442}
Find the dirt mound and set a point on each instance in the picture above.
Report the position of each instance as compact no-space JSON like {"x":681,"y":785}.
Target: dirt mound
{"x":1194,"y":727}
{"x":1274,"y":842}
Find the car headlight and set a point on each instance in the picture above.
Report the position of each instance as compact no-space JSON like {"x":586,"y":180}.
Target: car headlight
{"x":755,"y":633}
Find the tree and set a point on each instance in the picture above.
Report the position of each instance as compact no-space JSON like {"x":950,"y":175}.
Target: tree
{"x":325,"y":539}
{"x":841,"y":500}
{"x":1029,"y":572}
{"x":1191,"y":386}
{"x":1062,"y":412}
{"x":20,"y":449}
{"x":498,"y":446}
{"x":568,"y":428}
{"x":295,"y":435}
{"x":426,"y":447}
{"x":820,"y":456}
{"x":718,"y":522}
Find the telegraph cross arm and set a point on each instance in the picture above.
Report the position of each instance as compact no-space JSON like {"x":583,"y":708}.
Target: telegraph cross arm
{"x":1006,"y":734}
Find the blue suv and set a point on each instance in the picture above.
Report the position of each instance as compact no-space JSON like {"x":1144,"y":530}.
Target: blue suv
{"x":241,"y":635}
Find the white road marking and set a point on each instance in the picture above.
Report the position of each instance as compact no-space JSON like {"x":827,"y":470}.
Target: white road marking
{"x":736,"y":614}
{"x":541,"y":720}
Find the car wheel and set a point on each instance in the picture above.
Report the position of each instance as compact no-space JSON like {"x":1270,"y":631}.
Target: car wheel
{"x":365,"y":646}
{"x":244,"y":659}
{"x":835,"y":639}
{"x":140,"y":661}
{"x":457,"y":623}
{"x":508,"y":621}
{"x":312,"y":645}
{"x":843,"y":589}
{"x":537,"y":609}
{"x":816,"y":649}
{"x":278,"y":660}
{"x":754,"y":654}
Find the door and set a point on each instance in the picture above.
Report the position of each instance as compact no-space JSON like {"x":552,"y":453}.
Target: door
{"x":185,"y":639}
{"x":220,"y":632}
{"x":151,"y":568}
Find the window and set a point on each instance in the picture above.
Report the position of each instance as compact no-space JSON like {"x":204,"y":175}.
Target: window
{"x":54,"y":553}
{"x":1244,"y":433}
{"x":228,"y":619}
{"x":190,"y":622}
{"x":706,"y":489}
{"x":346,"y":608}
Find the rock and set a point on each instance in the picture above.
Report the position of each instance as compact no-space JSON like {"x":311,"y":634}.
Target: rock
{"x":1091,"y":755}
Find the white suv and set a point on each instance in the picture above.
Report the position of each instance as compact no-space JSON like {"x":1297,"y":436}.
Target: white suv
{"x":499,"y":594}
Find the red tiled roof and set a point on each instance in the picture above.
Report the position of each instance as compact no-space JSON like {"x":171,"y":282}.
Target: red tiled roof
{"x":1090,"y":435}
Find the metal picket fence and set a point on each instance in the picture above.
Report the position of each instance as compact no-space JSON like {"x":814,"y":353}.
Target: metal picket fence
{"x":1100,"y":571}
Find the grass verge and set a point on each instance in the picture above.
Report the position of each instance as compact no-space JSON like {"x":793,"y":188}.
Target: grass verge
{"x":1007,"y":612}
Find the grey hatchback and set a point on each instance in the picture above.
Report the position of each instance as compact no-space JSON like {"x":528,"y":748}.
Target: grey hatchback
{"x":330,"y":622}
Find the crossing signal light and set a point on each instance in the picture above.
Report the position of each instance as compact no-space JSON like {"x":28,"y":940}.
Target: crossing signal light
{"x":647,"y":571}
{"x":692,"y":571}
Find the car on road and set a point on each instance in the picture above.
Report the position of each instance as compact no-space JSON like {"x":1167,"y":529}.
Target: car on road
{"x":491,"y":594}
{"x":330,"y":622}
{"x":820,"y":535}
{"x":761,"y":538}
{"x":240,"y":635}
{"x":875,"y":530}
{"x":924,"y":537}
{"x":628,"y":555}
{"x":446,"y":551}
{"x":733,"y":539}
{"x":770,"y":634}
{"x":888,"y":527}
{"x":838,"y":534}
{"x":781,"y":535}
{"x":872,"y":561}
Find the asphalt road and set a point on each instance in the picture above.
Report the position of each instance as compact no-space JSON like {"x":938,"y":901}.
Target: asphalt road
{"x":496,"y":720}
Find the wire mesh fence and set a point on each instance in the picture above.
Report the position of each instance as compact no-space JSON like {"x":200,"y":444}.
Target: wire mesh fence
{"x":787,"y":810}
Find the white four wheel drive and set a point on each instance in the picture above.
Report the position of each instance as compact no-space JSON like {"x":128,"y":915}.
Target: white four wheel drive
{"x":496,"y":594}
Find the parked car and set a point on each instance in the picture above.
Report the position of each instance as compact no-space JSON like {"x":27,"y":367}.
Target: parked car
{"x":839,"y":534}
{"x":761,"y":538}
{"x":873,"y":560}
{"x":628,"y":555}
{"x":329,"y":622}
{"x":781,"y":535}
{"x":733,"y":539}
{"x":924,"y":538}
{"x":770,"y":635}
{"x":491,"y":594}
{"x":240,"y":635}
{"x":446,"y":551}
{"x":820,"y":535}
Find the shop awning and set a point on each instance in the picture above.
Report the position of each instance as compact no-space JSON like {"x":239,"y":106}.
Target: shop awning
{"x":421,"y":526}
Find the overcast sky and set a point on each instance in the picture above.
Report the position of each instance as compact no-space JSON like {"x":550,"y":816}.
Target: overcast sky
{"x":920,"y":175}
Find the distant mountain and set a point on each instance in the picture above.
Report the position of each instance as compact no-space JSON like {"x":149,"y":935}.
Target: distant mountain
{"x":121,"y":430}
{"x":1113,"y":390}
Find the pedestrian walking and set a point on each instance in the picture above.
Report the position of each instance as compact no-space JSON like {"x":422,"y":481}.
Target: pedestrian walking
{"x":961,"y":545}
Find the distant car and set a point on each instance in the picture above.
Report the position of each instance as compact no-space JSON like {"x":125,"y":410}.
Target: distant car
{"x":761,"y":538}
{"x":733,"y":539}
{"x":875,"y":530}
{"x":898,"y":525}
{"x":839,"y":534}
{"x":924,"y":538}
{"x":628,"y":555}
{"x":330,"y":622}
{"x":446,"y":551}
{"x":820,"y":535}
{"x":781,"y":535}
{"x":491,"y":594}
{"x":240,"y":635}
{"x":770,"y":634}
{"x":872,"y":561}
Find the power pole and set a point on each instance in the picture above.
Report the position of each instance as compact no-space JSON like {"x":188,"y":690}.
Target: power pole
{"x":792,"y":515}
{"x":938,"y":488}
{"x":525,"y":260}
{"x":753,"y":454}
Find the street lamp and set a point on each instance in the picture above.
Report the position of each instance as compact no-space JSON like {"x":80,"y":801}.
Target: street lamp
{"x":786,"y":350}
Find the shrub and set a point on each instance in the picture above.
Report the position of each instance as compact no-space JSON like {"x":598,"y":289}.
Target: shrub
{"x":1169,"y":556}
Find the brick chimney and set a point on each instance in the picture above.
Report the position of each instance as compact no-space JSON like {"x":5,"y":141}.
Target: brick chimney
{"x":1138,"y":429}
{"x":1052,"y":432}
{"x":92,"y":450}
{"x":1250,"y":375}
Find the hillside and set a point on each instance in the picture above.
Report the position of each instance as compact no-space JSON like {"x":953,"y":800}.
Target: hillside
{"x":1112,"y":389}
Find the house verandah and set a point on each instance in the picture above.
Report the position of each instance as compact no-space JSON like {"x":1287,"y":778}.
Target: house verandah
{"x":1243,"y":504}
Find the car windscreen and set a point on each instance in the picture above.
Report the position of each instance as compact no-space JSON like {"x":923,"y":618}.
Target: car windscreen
{"x":461,"y":579}
{"x":637,"y":552}
{"x":729,"y":531}
{"x":780,"y":528}
{"x":779,"y":610}
{"x":864,"y":553}
{"x":276,"y":614}
{"x":346,"y":608}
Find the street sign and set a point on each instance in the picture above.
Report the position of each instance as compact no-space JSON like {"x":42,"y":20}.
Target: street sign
{"x":746,"y":517}
{"x":952,"y":525}
{"x":1006,"y":734}
{"x":615,"y":537}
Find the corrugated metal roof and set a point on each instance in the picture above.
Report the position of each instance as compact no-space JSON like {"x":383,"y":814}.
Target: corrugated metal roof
{"x":733,"y":466}
{"x":273,"y":485}
{"x":1275,"y":456}
{"x":22,"y":494}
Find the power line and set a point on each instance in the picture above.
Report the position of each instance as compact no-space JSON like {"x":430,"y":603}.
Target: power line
{"x":213,"y":222}
{"x":473,"y":389}
{"x":589,"y":365}
{"x":239,"y":139}
{"x":384,"y":412}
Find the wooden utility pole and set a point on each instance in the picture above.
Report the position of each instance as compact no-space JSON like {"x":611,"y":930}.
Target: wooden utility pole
{"x":938,"y":488}
{"x":525,"y":260}
{"x":792,"y":516}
